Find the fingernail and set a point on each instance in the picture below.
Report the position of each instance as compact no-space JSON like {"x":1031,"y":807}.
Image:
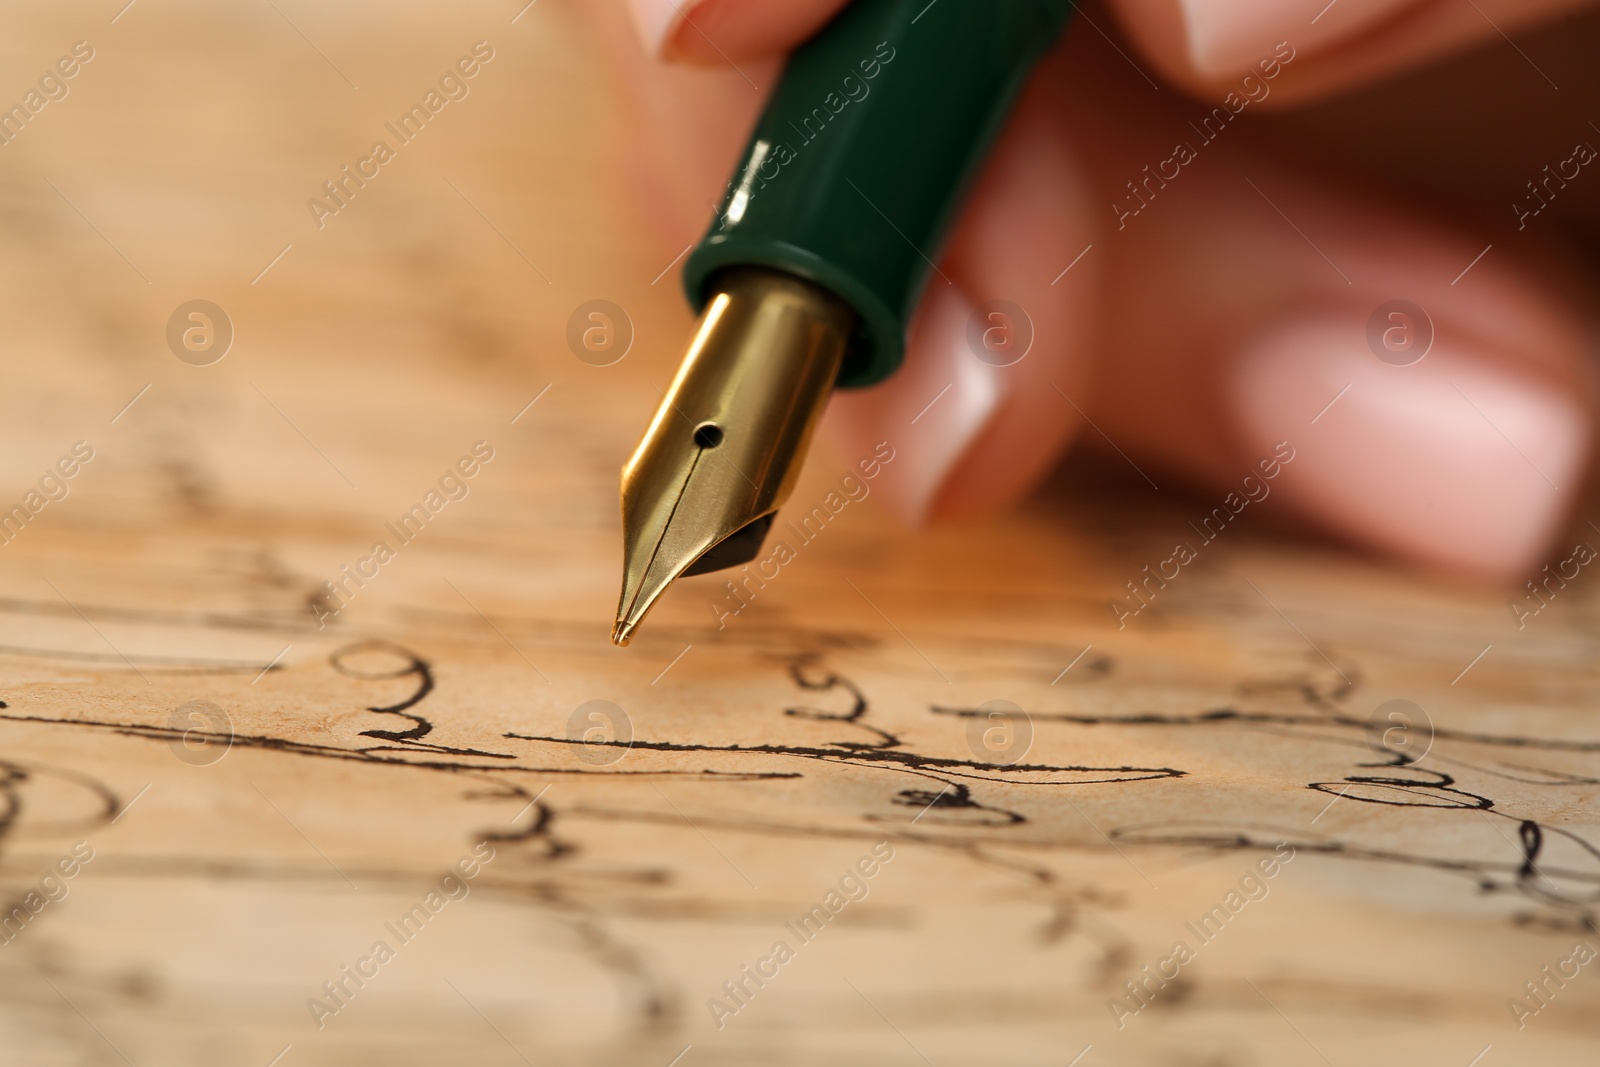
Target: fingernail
{"x":930,"y":412}
{"x":1226,"y":37}
{"x":1456,"y":460}
{"x":656,"y":19}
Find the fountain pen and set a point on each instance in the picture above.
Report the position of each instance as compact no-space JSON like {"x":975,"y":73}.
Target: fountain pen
{"x":810,"y":271}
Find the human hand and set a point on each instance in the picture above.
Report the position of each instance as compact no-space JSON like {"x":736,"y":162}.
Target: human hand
{"x":1194,"y":309}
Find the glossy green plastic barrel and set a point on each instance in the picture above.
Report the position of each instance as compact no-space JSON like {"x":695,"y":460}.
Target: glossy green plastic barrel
{"x":865,"y":151}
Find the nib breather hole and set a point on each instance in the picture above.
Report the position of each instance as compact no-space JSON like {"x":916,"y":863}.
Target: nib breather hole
{"x":708,"y":435}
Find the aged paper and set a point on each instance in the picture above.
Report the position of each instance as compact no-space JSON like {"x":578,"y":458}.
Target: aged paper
{"x":313,"y":746}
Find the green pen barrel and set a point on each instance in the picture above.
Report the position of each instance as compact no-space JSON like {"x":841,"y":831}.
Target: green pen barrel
{"x":865,"y":151}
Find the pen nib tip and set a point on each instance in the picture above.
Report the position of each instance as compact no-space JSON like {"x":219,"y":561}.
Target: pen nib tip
{"x":724,"y":448}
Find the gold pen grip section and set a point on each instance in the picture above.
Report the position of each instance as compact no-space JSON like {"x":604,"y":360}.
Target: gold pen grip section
{"x":724,"y":448}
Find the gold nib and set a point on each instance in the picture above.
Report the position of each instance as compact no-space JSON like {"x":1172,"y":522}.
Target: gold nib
{"x":724,"y":448}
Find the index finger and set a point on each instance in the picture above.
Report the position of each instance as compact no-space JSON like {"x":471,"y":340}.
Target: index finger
{"x":719,"y":31}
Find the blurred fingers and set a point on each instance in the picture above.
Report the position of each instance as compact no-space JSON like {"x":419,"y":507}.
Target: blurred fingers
{"x":1438,"y":400}
{"x":718,"y":31}
{"x":1208,"y":46}
{"x":1002,"y":340}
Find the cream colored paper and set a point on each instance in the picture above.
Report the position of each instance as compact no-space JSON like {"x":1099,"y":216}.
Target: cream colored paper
{"x":267,"y":789}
